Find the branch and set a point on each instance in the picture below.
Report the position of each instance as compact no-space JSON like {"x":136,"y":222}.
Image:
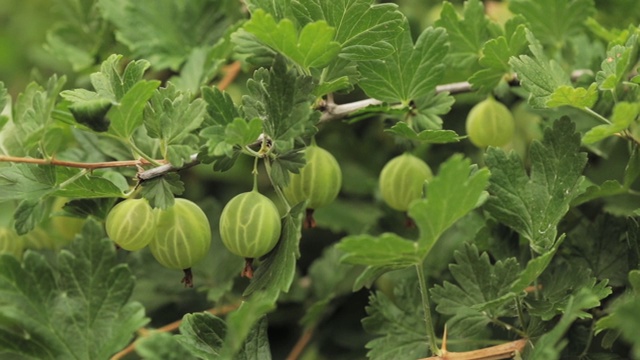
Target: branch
{"x":300,"y":345}
{"x":166,"y":168}
{"x":73,"y":164}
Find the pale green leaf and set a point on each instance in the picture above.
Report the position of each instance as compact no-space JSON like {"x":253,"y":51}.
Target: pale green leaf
{"x":387,"y":249}
{"x":624,"y":114}
{"x":160,"y":191}
{"x":126,"y":117}
{"x":576,"y":97}
{"x":427,"y":136}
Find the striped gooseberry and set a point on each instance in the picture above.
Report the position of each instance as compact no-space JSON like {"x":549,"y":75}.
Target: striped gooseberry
{"x":182,"y":236}
{"x":490,"y":123}
{"x":250,"y":226}
{"x":402,"y":181}
{"x":131,"y":224}
{"x":318,"y":182}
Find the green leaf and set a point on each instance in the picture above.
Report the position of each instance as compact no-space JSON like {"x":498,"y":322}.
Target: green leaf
{"x":483,"y":291}
{"x":364,"y":30}
{"x":113,"y":83}
{"x":87,"y":186}
{"x":27,"y":215}
{"x":427,"y":136}
{"x":619,"y":61}
{"x":624,"y":114}
{"x":412,"y":71}
{"x":538,"y":75}
{"x":277,"y":269}
{"x":160,"y":191}
{"x":283,"y":101}
{"x":161,"y":346}
{"x":203,"y":334}
{"x":92,"y":113}
{"x":165,"y":31}
{"x":495,"y":59}
{"x":560,"y":283}
{"x":248,"y":325}
{"x":577,"y":97}
{"x":535,"y":267}
{"x":127,"y":116}
{"x":607,"y":188}
{"x":454,"y":184}
{"x":26,"y":182}
{"x":387,"y":249}
{"x":349,"y":216}
{"x":428,"y":110}
{"x":220,"y":107}
{"x":468,"y":35}
{"x":550,"y":345}
{"x":243,"y":132}
{"x":284,"y":163}
{"x":433,"y":215}
{"x":534,"y":205}
{"x":312,"y":47}
{"x":553,"y":22}
{"x":78,"y":309}
{"x":398,"y":324}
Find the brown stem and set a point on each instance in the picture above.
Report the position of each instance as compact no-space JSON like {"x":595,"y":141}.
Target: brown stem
{"x":73,"y":164}
{"x":301,"y":344}
{"x":231,"y":71}
{"x":143,"y":332}
{"x":502,"y":351}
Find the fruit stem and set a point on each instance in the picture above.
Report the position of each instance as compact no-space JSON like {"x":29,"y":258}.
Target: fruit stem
{"x":431,"y":332}
{"x":267,"y":165}
{"x":187,"y":280}
{"x":247,"y":271}
{"x":255,"y":174}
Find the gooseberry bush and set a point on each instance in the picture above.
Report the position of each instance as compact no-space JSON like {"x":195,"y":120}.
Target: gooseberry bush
{"x":336,"y":179}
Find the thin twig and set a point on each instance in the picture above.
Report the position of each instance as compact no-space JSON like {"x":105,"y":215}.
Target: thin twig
{"x":231,"y":71}
{"x":502,"y":351}
{"x":144,"y":332}
{"x":301,"y":344}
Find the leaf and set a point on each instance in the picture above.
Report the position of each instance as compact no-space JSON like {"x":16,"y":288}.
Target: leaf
{"x":495,"y":59}
{"x":467,"y":35}
{"x":282,"y":100}
{"x":243,"y":132}
{"x":165,"y":31}
{"x":78,"y":309}
{"x":427,"y":136}
{"x":577,"y":97}
{"x":312,"y":47}
{"x":553,"y":22}
{"x":534,"y":205}
{"x":203,"y":334}
{"x":398,"y":324}
{"x":428,"y":110}
{"x":483,"y":291}
{"x":276,"y":270}
{"x":26,"y":182}
{"x":248,"y":325}
{"x":289,"y":162}
{"x":624,"y":114}
{"x":161,"y":346}
{"x":92,"y":113}
{"x":535,"y":267}
{"x":87,"y":186}
{"x":619,"y":61}
{"x":412,"y":71}
{"x":27,"y":215}
{"x":127,"y":116}
{"x":559,"y":284}
{"x":453,"y":193}
{"x":538,"y":75}
{"x":388,"y":250}
{"x":433,"y":215}
{"x":349,"y":216}
{"x":220,"y":107}
{"x":160,"y":190}
{"x":363,"y":30}
{"x":548,"y":347}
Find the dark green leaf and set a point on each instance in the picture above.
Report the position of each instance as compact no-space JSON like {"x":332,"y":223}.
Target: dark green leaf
{"x":28,"y":214}
{"x":535,"y":267}
{"x":203,"y":334}
{"x":483,"y":291}
{"x":534,"y":204}
{"x":411,"y":72}
{"x":92,"y":113}
{"x":160,"y":191}
{"x":398,"y":324}
{"x":429,"y":109}
{"x":387,"y":249}
{"x":246,"y":336}
{"x":290,"y":162}
{"x":127,"y":116}
{"x":243,"y":132}
{"x":607,"y":188}
{"x":220,"y":107}
{"x":364,"y":30}
{"x":82,"y":208}
{"x":80,"y":309}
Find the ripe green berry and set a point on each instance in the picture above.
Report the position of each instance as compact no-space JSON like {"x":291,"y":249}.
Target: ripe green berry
{"x":490,"y":123}
{"x":182,"y":237}
{"x":402,"y":181}
{"x":250,"y":225}
{"x":10,"y":242}
{"x":318,"y":182}
{"x":131,"y":224}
